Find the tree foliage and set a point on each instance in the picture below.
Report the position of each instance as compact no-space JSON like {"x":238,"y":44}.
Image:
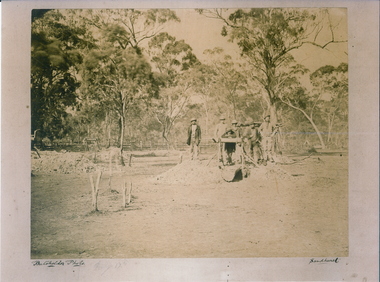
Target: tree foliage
{"x":128,"y":27}
{"x":230,"y":78}
{"x":173,"y":60}
{"x":116,"y":74}
{"x":54,"y":61}
{"x":267,"y":37}
{"x":117,"y":78}
{"x":332,"y":83}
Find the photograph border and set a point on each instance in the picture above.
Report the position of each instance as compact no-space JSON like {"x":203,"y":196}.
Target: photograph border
{"x":362,"y":262}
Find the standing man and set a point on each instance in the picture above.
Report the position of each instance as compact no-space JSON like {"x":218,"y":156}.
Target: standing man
{"x":232,"y":147}
{"x":254,"y":143}
{"x":236,"y":128}
{"x":246,"y":133}
{"x":220,"y":129}
{"x":194,"y":138}
{"x":267,"y":132}
{"x":238,"y":146}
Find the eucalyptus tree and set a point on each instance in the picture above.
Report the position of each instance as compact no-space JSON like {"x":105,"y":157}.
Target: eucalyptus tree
{"x":117,"y":78}
{"x":230,"y":78}
{"x":127,"y":27}
{"x":54,"y":68}
{"x":268,"y":36}
{"x":117,"y":73}
{"x":331,"y":85}
{"x":295,"y":95}
{"x":206,"y":89}
{"x":173,"y":60}
{"x":325,"y":103}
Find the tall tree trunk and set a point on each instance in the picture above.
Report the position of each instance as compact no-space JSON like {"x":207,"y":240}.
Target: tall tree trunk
{"x":233,"y":106}
{"x":122,"y":127}
{"x":166,"y":131}
{"x":271,"y":105}
{"x":168,"y":144}
{"x":108,"y":129}
{"x":316,"y":130}
{"x":330,"y":126}
{"x":329,"y":132}
{"x":109,"y":135}
{"x":207,"y":120}
{"x":119,"y":125}
{"x":273,"y":113}
{"x":310,"y":120}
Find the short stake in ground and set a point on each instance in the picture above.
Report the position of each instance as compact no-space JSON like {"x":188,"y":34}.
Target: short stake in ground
{"x":126,"y":189}
{"x":130,"y":160}
{"x":95,"y":190}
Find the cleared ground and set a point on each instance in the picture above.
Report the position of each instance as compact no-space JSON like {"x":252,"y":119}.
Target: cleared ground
{"x":298,"y":208}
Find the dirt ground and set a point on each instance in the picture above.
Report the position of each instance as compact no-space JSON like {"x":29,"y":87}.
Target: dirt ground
{"x":295,"y":208}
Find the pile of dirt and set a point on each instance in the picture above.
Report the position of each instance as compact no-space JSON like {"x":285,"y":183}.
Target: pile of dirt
{"x":203,"y":172}
{"x":277,"y":173}
{"x":62,"y":162}
{"x":190,"y":172}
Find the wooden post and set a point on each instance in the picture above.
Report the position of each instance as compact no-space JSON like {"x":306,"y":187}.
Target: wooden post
{"x":130,"y":160}
{"x":129,"y":194}
{"x":124,"y":189}
{"x":95,"y":190}
{"x":180,"y":158}
{"x":38,"y":153}
{"x":98,"y":180}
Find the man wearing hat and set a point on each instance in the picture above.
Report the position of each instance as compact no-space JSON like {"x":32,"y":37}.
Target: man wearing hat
{"x":194,"y":138}
{"x":238,"y":134}
{"x":254,"y":142}
{"x":220,"y":129}
{"x":267,"y":132}
{"x":236,"y":128}
{"x":232,"y":147}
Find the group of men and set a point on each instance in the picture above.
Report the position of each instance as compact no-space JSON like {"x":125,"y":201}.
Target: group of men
{"x":256,"y":140}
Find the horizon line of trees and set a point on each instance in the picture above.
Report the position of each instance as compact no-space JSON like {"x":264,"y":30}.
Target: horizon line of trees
{"x":118,"y":75}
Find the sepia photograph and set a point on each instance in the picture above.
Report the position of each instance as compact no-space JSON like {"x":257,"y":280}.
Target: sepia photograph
{"x":229,"y":139}
{"x":164,"y":133}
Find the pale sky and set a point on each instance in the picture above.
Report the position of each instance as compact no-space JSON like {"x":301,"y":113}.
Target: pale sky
{"x":204,"y":33}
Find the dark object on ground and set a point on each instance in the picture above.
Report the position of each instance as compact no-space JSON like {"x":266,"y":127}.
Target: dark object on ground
{"x":312,"y":150}
{"x":229,"y":173}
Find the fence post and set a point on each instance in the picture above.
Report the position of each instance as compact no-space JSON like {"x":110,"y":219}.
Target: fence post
{"x":126,"y":189}
{"x":95,"y":190}
{"x":129,"y":194}
{"x":130,"y":160}
{"x":92,"y":192}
